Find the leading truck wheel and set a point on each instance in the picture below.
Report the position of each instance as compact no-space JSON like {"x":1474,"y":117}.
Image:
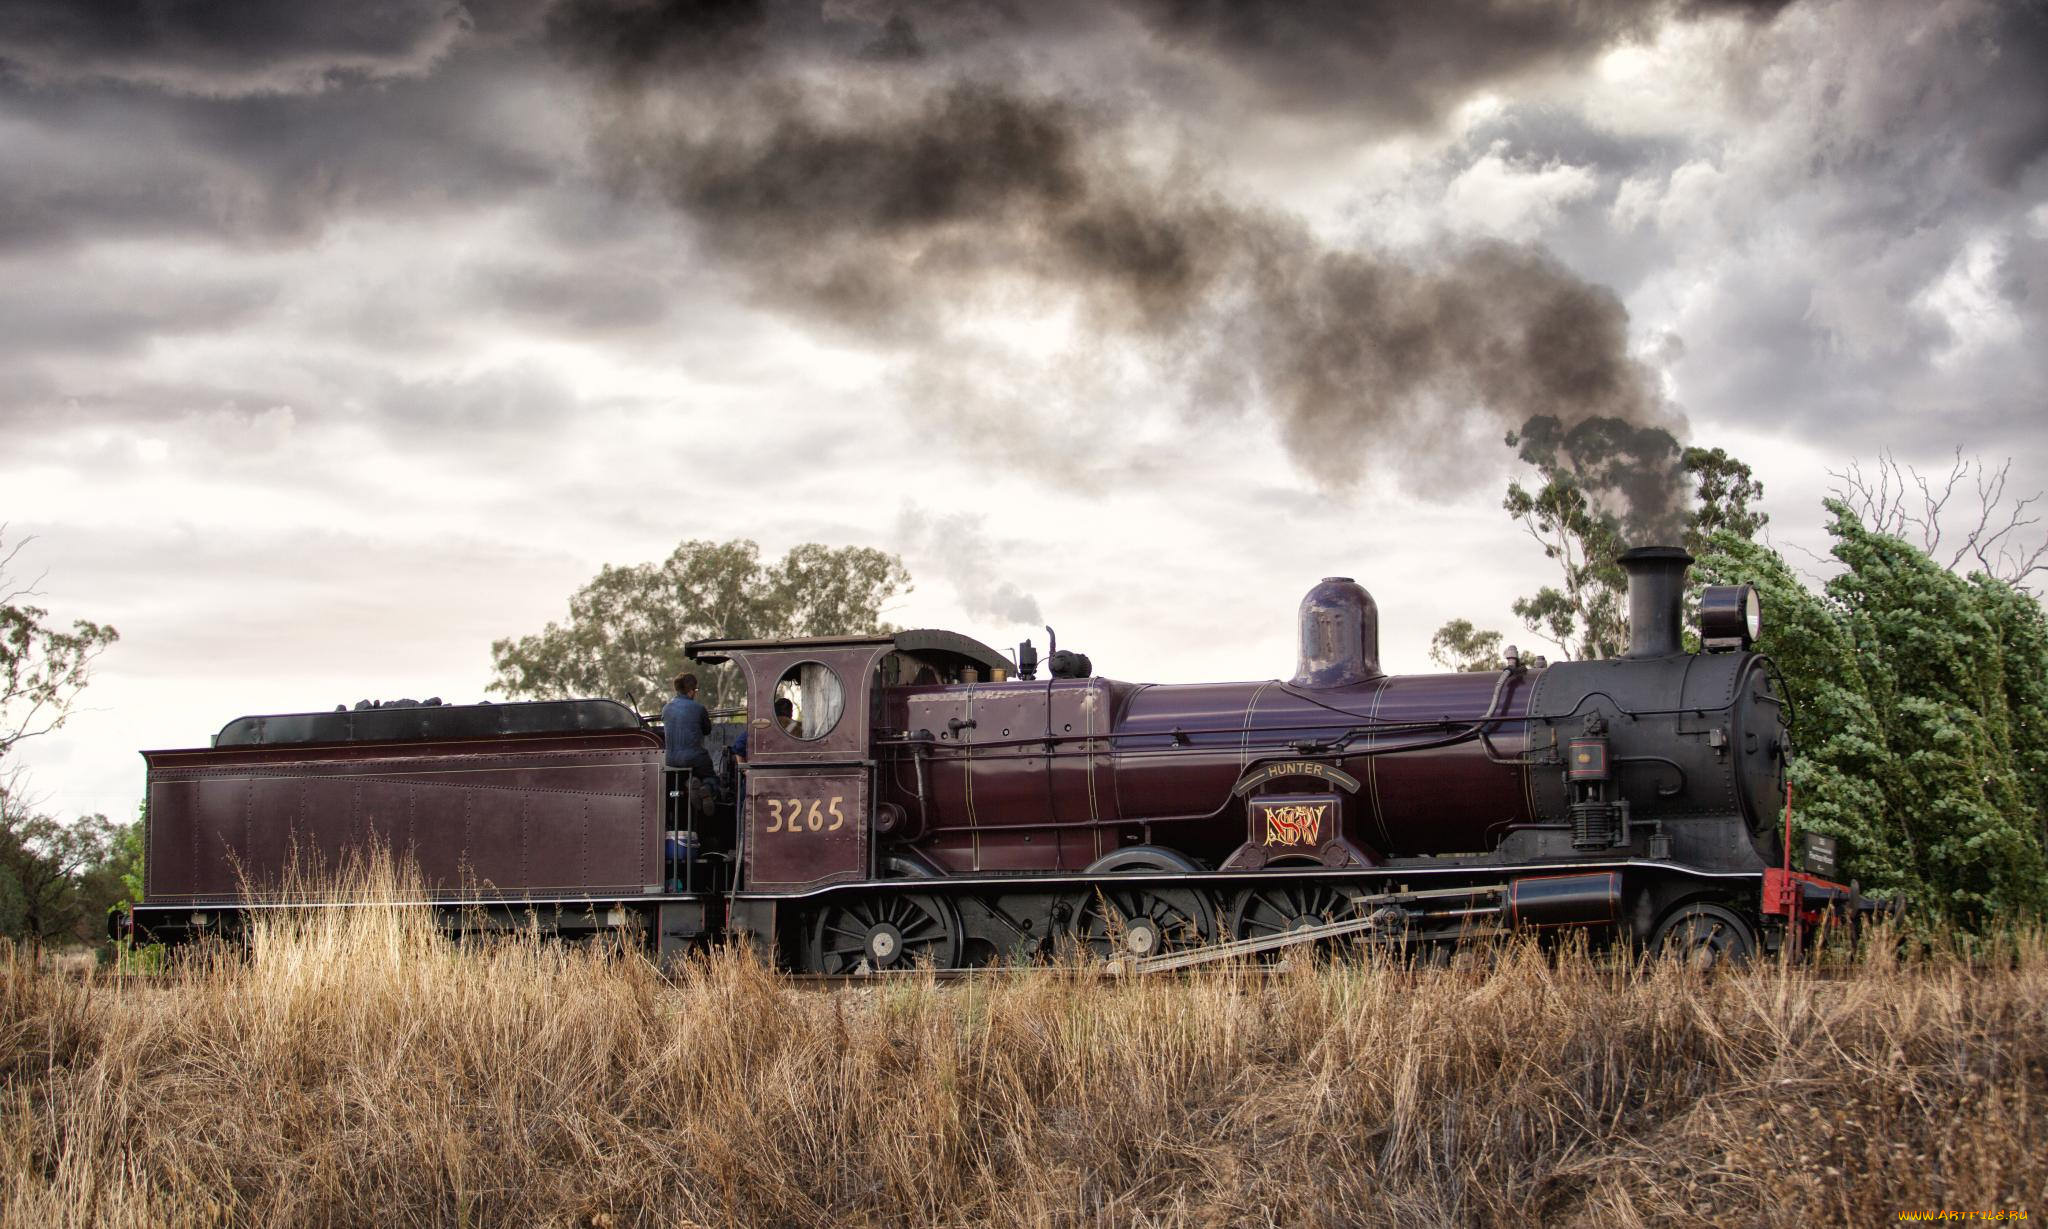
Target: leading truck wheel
{"x":869,"y":933}
{"x":1705,"y":936}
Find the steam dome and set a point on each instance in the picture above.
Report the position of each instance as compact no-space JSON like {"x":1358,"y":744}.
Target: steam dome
{"x":1340,"y":635}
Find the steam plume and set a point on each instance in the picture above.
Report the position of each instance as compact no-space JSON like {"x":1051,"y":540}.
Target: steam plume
{"x":890,"y":185}
{"x":959,"y":546}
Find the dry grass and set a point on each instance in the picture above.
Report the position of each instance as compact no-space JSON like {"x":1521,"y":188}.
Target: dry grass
{"x":358,"y":1069}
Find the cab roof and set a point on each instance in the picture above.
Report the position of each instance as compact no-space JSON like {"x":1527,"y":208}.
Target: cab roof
{"x":915,"y":640}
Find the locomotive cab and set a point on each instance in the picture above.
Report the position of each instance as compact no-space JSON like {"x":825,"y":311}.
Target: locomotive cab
{"x":811,"y":808}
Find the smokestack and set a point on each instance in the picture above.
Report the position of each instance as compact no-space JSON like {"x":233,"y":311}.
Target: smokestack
{"x":1656,"y":597}
{"x":1340,"y":635}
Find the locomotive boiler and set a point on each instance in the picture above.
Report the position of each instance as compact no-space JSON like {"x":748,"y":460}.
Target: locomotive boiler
{"x":928,"y":799}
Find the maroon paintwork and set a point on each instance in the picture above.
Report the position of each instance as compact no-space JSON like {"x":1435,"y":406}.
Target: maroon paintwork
{"x":1051,"y":775}
{"x":565,"y":816}
{"x":809,"y":809}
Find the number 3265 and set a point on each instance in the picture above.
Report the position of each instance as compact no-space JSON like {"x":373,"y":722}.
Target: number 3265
{"x":791,"y":816}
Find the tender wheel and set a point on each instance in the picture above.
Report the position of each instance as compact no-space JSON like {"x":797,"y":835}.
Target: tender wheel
{"x":1705,"y":937}
{"x":1113,"y":922}
{"x":1261,"y":912}
{"x":869,"y":933}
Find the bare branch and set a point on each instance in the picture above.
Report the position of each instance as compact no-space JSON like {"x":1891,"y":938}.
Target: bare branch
{"x":28,"y":590}
{"x":1997,"y":541}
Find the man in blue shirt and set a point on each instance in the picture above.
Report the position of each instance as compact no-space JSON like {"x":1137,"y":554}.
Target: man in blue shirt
{"x":684,"y":723}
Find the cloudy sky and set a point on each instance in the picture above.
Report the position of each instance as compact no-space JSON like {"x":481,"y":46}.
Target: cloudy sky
{"x":338,"y":340}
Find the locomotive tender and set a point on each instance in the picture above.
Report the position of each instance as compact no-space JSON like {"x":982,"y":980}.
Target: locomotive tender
{"x":932,"y":800}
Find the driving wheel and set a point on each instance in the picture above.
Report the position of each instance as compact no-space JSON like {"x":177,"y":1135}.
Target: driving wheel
{"x":871,"y":933}
{"x":1259,"y":913}
{"x":1137,"y":922}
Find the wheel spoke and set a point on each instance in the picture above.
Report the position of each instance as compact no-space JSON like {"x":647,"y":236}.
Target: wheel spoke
{"x":1276,"y":909}
{"x":843,"y":938}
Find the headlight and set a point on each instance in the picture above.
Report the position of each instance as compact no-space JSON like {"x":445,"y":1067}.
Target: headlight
{"x":1731,"y":617}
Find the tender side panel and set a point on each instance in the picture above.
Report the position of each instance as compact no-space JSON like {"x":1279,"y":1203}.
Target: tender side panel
{"x":553,"y":821}
{"x":169,"y":844}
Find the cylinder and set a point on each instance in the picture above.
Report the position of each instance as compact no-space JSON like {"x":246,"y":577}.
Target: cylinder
{"x":1565,"y":900}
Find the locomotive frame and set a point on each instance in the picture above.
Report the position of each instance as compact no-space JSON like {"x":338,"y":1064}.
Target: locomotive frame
{"x":930,"y":802}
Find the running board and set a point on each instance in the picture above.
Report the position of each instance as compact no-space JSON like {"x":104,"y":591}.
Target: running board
{"x":1388,"y":923}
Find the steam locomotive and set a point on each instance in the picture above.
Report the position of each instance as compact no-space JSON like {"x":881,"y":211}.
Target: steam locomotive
{"x":928,"y":799}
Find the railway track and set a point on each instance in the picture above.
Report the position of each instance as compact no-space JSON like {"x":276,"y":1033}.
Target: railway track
{"x":1261,"y":958}
{"x":1106,"y":972}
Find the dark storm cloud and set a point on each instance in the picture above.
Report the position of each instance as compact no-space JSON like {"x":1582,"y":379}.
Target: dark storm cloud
{"x":2010,"y":101}
{"x":1868,"y":261}
{"x":889,"y":174}
{"x":68,"y":331}
{"x":1402,"y":62}
{"x":222,"y":49}
{"x":1971,"y":83}
{"x":1386,"y":61}
{"x":899,"y":198}
{"x":573,"y":298}
{"x":87,"y":164}
{"x":99,"y":319}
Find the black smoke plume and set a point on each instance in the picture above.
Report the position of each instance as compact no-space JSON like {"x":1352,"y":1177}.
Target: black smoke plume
{"x":889,"y":181}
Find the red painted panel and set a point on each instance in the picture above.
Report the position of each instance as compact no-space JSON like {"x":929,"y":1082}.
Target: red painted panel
{"x":1168,"y":757}
{"x":173,"y":809}
{"x":549,"y":821}
{"x":327,"y":825}
{"x":274,"y":815}
{"x":806,"y":827}
{"x":1449,"y":799}
{"x":768,"y":743}
{"x":947,"y":794}
{"x":1082,"y":785}
{"x":495,"y":824}
{"x":219,"y":823}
